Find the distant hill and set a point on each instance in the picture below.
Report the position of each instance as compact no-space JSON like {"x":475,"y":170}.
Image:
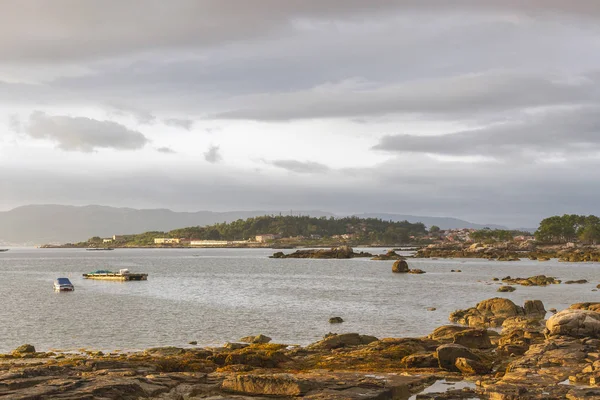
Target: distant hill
{"x":442,"y":222}
{"x":40,"y":224}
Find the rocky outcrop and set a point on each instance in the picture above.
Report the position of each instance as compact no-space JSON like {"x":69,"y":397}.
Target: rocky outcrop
{"x":400,"y":266}
{"x":336,"y":320}
{"x":267,"y":385}
{"x":471,"y":367}
{"x":574,"y":323}
{"x":493,"y":312}
{"x":24,"y":349}
{"x":538,"y":280}
{"x":390,"y":255}
{"x":504,"y":289}
{"x":335,"y":252}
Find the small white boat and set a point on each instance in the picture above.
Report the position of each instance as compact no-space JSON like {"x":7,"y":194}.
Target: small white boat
{"x":63,"y":285}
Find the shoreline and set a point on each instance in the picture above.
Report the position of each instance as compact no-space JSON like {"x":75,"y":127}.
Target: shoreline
{"x":491,"y":363}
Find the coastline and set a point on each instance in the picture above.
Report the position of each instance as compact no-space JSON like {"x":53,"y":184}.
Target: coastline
{"x":487,"y":363}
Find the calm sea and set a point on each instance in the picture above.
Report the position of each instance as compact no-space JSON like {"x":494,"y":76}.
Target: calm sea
{"x":216,"y":295}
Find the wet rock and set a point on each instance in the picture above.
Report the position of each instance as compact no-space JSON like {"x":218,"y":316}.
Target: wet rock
{"x":448,"y":353}
{"x":574,"y":323}
{"x":431,"y":308}
{"x":553,"y":310}
{"x":336,"y":320}
{"x":506,"y":289}
{"x":193,"y":342}
{"x":471,"y":367}
{"x":400,"y":266}
{"x":256,"y":339}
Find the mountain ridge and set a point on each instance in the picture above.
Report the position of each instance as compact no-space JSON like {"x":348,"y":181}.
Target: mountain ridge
{"x":54,"y":223}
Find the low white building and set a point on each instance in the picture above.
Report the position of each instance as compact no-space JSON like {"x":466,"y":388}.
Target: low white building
{"x":166,"y":241}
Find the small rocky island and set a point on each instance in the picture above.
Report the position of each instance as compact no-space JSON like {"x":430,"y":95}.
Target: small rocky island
{"x":334,"y":252}
{"x":500,"y":350}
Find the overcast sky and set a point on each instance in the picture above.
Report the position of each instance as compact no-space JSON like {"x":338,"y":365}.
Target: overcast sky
{"x":488,"y":110}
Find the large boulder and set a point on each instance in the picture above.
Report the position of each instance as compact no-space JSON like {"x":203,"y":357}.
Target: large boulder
{"x":423,"y":360}
{"x":574,"y":323}
{"x":445,"y":333}
{"x":447,"y":354}
{"x":400,"y":266}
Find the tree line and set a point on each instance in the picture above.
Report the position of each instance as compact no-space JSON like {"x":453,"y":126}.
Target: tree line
{"x":569,"y":228}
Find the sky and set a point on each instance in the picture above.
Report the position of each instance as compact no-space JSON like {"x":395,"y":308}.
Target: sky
{"x":485,"y":110}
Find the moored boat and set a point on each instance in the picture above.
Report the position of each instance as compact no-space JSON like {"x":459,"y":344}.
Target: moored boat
{"x":122,"y":275}
{"x":63,"y":285}
{"x":100,"y":248}
{"x":1,"y":250}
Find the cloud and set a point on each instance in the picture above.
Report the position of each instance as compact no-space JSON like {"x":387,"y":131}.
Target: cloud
{"x":492,"y":91}
{"x":179,"y":123}
{"x":83,"y":134}
{"x":558,"y":132}
{"x":166,"y":150}
{"x":213,"y":155}
{"x":300,"y":167}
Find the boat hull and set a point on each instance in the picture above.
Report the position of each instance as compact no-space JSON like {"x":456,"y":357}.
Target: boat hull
{"x":117,"y":277}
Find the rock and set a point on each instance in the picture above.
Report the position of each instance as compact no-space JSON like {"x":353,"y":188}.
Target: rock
{"x":420,"y":361}
{"x":336,"y":320}
{"x":534,"y":309}
{"x":334,"y":341}
{"x":390,"y":255}
{"x":446,"y":333}
{"x":492,"y":313}
{"x":256,"y":339}
{"x":538,"y":280}
{"x":335,"y":252}
{"x":471,"y":367}
{"x":235,"y":346}
{"x":193,"y":342}
{"x":580,"y":281}
{"x":574,"y":323}
{"x":473,"y":338}
{"x":506,"y":289}
{"x":448,"y":353}
{"x":267,"y":385}
{"x":431,"y":308}
{"x":496,"y":279}
{"x":553,"y":310}
{"x":24,"y":349}
{"x":400,"y":266}
{"x":416,"y":271}
{"x":586,"y":306}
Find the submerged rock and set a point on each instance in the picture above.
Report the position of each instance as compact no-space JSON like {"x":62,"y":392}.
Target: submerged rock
{"x":336,"y":320}
{"x":390,"y":255}
{"x":506,"y":289}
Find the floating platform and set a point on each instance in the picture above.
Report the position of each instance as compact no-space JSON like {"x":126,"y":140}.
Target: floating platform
{"x":115,"y":276}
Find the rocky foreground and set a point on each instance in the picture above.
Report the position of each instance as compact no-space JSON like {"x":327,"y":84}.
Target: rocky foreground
{"x":504,"y":350}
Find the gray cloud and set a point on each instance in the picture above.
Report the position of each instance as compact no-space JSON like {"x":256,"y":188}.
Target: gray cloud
{"x":300,"y":167}
{"x":179,"y":123}
{"x":467,"y":94}
{"x":166,"y":150}
{"x":213,"y":155}
{"x":83,"y":134}
{"x":558,"y":132}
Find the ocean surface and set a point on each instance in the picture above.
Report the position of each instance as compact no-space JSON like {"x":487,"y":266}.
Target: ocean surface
{"x":216,"y":295}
